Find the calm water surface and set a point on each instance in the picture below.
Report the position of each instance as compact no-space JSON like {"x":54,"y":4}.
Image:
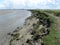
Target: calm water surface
{"x":10,"y":19}
{"x":14,"y":19}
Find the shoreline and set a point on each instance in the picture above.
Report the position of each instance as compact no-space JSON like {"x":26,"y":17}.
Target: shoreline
{"x":38,"y":29}
{"x":4,"y":33}
{"x":26,"y":33}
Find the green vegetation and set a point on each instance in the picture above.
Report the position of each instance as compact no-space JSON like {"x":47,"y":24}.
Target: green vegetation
{"x":55,"y":12}
{"x":44,"y":19}
{"x":52,"y":38}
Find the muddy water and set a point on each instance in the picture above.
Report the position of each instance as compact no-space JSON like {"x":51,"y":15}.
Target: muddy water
{"x":9,"y":20}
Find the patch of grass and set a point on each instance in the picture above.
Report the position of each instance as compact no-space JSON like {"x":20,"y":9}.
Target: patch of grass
{"x":35,"y":27}
{"x":55,"y":12}
{"x":51,"y":38}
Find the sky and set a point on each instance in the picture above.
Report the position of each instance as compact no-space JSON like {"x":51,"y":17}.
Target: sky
{"x":29,"y":4}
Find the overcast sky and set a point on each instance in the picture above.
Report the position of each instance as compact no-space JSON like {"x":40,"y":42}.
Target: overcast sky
{"x":29,"y":4}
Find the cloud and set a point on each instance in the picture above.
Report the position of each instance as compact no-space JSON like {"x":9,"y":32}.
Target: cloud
{"x":4,"y":4}
{"x":17,"y":3}
{"x":29,"y":4}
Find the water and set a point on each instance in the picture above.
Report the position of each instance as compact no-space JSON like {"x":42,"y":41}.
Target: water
{"x":10,"y":19}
